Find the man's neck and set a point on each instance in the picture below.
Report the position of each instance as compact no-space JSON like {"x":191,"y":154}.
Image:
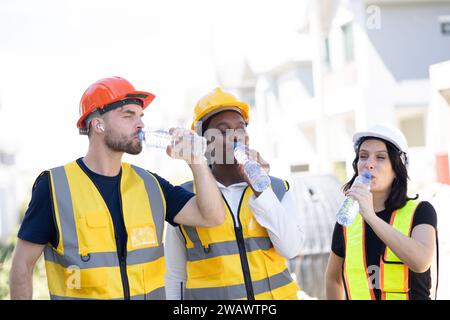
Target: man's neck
{"x":227,"y":174}
{"x":101,"y":160}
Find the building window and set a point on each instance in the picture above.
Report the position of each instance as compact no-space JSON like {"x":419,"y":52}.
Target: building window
{"x":444,"y":22}
{"x":326,"y":53}
{"x":6,"y":158}
{"x":296,"y":168}
{"x":248,"y":95}
{"x":347,"y":35}
{"x":340,"y":171}
{"x":445,"y":28}
{"x":414,"y":130}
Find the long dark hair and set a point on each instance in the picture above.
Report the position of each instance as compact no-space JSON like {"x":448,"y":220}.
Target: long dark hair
{"x":398,"y":195}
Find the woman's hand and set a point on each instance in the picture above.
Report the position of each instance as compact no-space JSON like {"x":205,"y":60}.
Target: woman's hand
{"x":362,"y":194}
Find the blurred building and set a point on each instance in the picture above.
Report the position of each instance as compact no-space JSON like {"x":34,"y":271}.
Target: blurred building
{"x":8,"y":186}
{"x":439,"y":117}
{"x":353,"y":63}
{"x":347,"y":65}
{"x":318,"y":199}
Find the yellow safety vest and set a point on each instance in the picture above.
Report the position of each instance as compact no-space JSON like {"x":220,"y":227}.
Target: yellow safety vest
{"x":393,"y":275}
{"x":228,"y":262}
{"x":85,"y":264}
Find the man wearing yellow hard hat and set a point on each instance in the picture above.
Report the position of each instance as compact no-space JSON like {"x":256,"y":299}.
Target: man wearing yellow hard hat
{"x":245,"y":257}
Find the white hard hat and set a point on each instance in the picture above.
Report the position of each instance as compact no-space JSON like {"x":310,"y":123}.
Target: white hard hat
{"x":388,"y":133}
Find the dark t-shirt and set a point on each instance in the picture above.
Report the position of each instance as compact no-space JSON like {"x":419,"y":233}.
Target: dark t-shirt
{"x":38,"y":225}
{"x":420,"y":283}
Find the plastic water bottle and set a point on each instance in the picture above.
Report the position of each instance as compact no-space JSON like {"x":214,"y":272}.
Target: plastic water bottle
{"x":256,"y":175}
{"x":350,"y":207}
{"x":155,"y":138}
{"x":162,"y":139}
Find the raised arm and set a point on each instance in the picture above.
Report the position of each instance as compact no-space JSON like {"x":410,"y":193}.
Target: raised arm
{"x":206,"y":209}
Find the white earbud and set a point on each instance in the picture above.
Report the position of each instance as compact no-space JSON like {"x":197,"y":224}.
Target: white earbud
{"x":99,"y":126}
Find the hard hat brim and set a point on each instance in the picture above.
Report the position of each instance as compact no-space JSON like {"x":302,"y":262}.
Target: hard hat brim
{"x":363,"y":134}
{"x":240,"y":107}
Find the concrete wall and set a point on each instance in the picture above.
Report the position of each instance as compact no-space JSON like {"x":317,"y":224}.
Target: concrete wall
{"x":410,"y":38}
{"x":438,"y":132}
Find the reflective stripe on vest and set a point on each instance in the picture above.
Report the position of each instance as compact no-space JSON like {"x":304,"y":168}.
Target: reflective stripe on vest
{"x":393,"y":275}
{"x":214,"y":270}
{"x":85,"y":264}
{"x":157,"y":294}
{"x":235,"y":292}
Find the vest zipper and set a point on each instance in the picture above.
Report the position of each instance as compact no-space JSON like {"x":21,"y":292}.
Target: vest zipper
{"x":124,"y":276}
{"x":242,"y":250}
{"x":123,"y":257}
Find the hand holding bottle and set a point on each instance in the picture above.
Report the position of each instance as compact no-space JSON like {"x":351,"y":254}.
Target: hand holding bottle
{"x":179,"y":143}
{"x":253,"y":172}
{"x":359,"y":192}
{"x":255,"y":155}
{"x":186,"y":145}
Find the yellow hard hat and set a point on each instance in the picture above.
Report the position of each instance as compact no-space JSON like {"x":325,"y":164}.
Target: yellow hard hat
{"x":215,"y":102}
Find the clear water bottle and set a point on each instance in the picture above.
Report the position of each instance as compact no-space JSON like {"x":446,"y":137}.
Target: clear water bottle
{"x":256,"y":175}
{"x":350,"y":207}
{"x":155,"y":138}
{"x":162,"y":139}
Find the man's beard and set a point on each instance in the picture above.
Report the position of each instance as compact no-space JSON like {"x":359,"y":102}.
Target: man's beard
{"x":122,"y":143}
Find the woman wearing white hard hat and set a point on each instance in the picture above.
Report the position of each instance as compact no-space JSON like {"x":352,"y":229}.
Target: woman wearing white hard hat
{"x":387,"y":252}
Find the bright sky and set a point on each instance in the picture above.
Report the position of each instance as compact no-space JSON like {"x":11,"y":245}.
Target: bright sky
{"x":50,"y":51}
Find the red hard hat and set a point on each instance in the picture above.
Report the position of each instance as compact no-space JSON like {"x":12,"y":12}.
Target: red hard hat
{"x":106,"y":91}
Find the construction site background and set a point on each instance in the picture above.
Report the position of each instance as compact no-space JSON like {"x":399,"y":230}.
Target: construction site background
{"x":313,"y":72}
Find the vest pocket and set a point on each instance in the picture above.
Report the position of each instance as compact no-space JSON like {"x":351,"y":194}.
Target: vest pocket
{"x":95,"y":233}
{"x":394,"y":277}
{"x":209,"y":268}
{"x":78,"y":279}
{"x":93,"y":280}
{"x":96,"y":220}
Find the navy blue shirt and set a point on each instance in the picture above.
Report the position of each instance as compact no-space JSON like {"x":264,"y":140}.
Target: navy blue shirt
{"x":39,"y":226}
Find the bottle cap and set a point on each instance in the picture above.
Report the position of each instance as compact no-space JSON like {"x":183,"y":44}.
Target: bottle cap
{"x":367,"y":175}
{"x":141,"y":135}
{"x":236,"y":144}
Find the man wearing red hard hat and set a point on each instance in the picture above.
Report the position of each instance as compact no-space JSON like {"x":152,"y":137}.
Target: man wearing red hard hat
{"x":98,"y":220}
